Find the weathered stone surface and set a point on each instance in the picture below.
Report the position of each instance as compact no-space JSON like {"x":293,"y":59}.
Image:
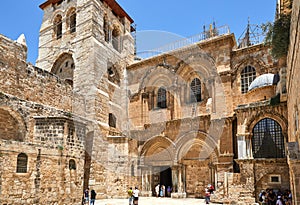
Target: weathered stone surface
{"x":61,"y":111}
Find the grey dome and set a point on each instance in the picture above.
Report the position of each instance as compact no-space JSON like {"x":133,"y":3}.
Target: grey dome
{"x":261,"y":81}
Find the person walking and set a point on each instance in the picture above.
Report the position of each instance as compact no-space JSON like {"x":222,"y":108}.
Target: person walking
{"x":136,"y":196}
{"x":93,"y":197}
{"x":86,"y":196}
{"x":130,"y":194}
{"x":207,"y":196}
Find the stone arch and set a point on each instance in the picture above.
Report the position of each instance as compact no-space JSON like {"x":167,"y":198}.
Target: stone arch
{"x":12,"y":126}
{"x":269,"y":114}
{"x":202,"y":65}
{"x":158,"y":150}
{"x":158,"y":76}
{"x":258,"y":64}
{"x":198,"y":142}
{"x":64,"y":67}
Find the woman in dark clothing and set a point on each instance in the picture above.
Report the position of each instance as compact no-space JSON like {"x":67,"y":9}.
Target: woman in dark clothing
{"x":93,"y":197}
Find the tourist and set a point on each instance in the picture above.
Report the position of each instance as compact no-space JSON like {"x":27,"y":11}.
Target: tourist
{"x":279,"y":201}
{"x":157,"y":190}
{"x":86,"y":195}
{"x":136,"y":196}
{"x":169,"y":190}
{"x":93,"y":197}
{"x":207,"y":195}
{"x":130,"y":195}
{"x":162,"y":191}
{"x":211,"y":188}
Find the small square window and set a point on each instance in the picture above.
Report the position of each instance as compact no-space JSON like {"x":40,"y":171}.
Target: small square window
{"x":275,"y":179}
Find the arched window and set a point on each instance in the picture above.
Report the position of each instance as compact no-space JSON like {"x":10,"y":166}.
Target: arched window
{"x":116,"y":39}
{"x":58,"y":26}
{"x":72,"y":21}
{"x":64,"y":68}
{"x":267,"y":140}
{"x":247,"y":76}
{"x":195,"y":94}
{"x":72,"y":164}
{"x":22,"y":161}
{"x":162,"y":98}
{"x":105,"y":29}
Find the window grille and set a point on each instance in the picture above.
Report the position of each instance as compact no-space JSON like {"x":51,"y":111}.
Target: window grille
{"x":247,"y":76}
{"x":162,"y":98}
{"x":22,"y":161}
{"x":267,"y":140}
{"x":195,"y":95}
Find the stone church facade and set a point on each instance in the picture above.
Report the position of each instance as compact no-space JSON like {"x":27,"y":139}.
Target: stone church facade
{"x":90,"y":114}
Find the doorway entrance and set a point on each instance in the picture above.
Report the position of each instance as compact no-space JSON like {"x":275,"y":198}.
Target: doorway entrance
{"x":162,"y":176}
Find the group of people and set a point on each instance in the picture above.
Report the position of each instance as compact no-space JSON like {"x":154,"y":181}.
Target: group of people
{"x":89,"y":197}
{"x":133,"y":196}
{"x":269,"y":197}
{"x":160,"y":190}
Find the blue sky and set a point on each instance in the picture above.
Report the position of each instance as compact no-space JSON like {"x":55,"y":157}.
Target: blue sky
{"x":181,"y":18}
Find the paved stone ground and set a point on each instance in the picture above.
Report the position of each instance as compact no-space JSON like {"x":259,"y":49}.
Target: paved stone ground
{"x":152,"y":201}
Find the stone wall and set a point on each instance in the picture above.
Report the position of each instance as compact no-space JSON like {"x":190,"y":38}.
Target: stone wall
{"x":30,"y":83}
{"x":49,"y":143}
{"x":293,"y":81}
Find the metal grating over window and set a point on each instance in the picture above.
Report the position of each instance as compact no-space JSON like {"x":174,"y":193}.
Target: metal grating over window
{"x":195,"y":90}
{"x":22,"y":163}
{"x":162,"y":98}
{"x":267,"y":140}
{"x":247,"y":76}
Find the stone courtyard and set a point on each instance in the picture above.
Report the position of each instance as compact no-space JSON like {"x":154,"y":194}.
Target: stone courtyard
{"x":153,"y":201}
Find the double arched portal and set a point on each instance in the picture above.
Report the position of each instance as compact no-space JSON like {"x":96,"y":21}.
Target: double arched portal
{"x":189,"y":163}
{"x":173,"y":163}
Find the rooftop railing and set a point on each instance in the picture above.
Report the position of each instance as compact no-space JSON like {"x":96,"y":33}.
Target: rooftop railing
{"x":205,"y":35}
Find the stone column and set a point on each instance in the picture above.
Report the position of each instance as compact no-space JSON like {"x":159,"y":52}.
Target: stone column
{"x":241,"y":142}
{"x":248,"y":146}
{"x":180,"y":188}
{"x":244,"y":146}
{"x":175,"y":178}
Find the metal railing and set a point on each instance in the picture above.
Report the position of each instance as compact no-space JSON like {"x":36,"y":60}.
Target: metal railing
{"x":209,"y":34}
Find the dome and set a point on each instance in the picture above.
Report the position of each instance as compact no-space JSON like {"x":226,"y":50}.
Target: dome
{"x":261,"y":81}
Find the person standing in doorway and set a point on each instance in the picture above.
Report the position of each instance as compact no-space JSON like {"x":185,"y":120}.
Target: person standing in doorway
{"x":169,"y":190}
{"x":93,"y":197}
{"x":157,"y":190}
{"x":136,"y":196}
{"x":163,"y":191}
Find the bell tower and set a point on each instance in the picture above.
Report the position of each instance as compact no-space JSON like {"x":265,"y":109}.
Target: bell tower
{"x":87,"y":44}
